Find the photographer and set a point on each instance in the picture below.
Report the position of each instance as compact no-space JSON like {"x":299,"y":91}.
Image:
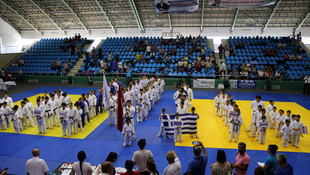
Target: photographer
{"x":198,"y":163}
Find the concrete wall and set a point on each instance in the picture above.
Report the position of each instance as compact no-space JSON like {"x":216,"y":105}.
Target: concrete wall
{"x":6,"y":58}
{"x":11,"y":39}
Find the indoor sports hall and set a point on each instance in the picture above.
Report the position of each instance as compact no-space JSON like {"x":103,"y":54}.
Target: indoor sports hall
{"x":99,"y":54}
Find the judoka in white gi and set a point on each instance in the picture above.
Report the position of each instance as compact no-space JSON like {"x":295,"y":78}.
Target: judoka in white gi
{"x":78,"y":116}
{"x":38,"y":113}
{"x":72,"y":119}
{"x":129,"y":112}
{"x":177,"y":123}
{"x":2,"y":118}
{"x":217,"y":103}
{"x":128,"y":131}
{"x":255,"y":118}
{"x":254,"y":106}
{"x":16,"y":116}
{"x":162,"y":126}
{"x":262,"y":129}
{"x":273,"y":115}
{"x":7,"y":109}
{"x":296,"y":131}
{"x":26,"y":115}
{"x":280,"y":122}
{"x":64,"y":118}
{"x":285,"y":133}
{"x":48,"y":113}
{"x":236,"y":122}
{"x":269,"y":109}
{"x":112,"y":109}
{"x":223,"y":99}
{"x":29,"y":105}
{"x":140,"y":110}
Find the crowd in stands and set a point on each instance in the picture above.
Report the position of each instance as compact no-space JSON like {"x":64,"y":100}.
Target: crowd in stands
{"x":143,"y":160}
{"x":185,"y":55}
{"x":49,"y":56}
{"x":266,"y":58}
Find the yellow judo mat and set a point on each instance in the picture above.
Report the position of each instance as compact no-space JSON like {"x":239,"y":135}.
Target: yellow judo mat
{"x":57,"y":131}
{"x":213,"y":133}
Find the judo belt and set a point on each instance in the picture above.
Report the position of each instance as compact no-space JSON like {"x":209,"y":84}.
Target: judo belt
{"x":55,"y":110}
{"x":72,"y":118}
{"x":48,"y":113}
{"x":112,"y":107}
{"x":235,"y":126}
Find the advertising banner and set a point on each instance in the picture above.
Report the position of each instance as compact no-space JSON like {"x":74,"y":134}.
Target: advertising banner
{"x":240,"y":3}
{"x":176,"y":6}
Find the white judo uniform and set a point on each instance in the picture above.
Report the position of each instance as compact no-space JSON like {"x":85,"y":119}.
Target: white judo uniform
{"x":177,"y":123}
{"x":296,"y":129}
{"x":129,"y":113}
{"x":64,"y":117}
{"x":285,"y":132}
{"x":236,"y":122}
{"x":262,"y":130}
{"x":128,"y":131}
{"x":38,"y":113}
{"x":112,"y":110}
{"x":254,"y":107}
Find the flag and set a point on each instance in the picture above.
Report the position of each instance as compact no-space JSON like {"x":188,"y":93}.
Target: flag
{"x":189,"y":123}
{"x":106,"y":92}
{"x":120,"y":101}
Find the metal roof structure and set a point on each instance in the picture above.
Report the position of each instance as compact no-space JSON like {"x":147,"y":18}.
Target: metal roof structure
{"x":62,"y":15}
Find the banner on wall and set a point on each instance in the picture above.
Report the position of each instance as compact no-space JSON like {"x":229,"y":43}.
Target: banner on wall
{"x":233,"y":83}
{"x":240,"y":3}
{"x":246,"y":84}
{"x":176,"y":6}
{"x":204,"y":83}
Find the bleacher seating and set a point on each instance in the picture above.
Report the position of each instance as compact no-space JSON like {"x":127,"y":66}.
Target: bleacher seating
{"x":37,"y":59}
{"x":294,"y":70}
{"x":118,"y":44}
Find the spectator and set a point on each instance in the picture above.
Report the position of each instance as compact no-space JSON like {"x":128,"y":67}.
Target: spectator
{"x":221,"y":166}
{"x":20,"y":76}
{"x":129,"y":167}
{"x":138,"y":57}
{"x":110,"y":57}
{"x":81,"y":167}
{"x":286,"y":57}
{"x":107,"y":168}
{"x":221,"y":50}
{"x":307,"y":84}
{"x":242,"y":160}
{"x":198,"y":164}
{"x":174,"y":167}
{"x":148,"y":49}
{"x":141,"y":156}
{"x":278,"y":75}
{"x":36,"y":165}
{"x":114,"y":65}
{"x":58,"y":64}
{"x":116,"y":56}
{"x":127,"y":48}
{"x":227,"y":53}
{"x":151,"y":167}
{"x":128,"y":76}
{"x":271,"y":165}
{"x":217,"y":71}
{"x":223,"y":70}
{"x":100,"y":53}
{"x":259,"y":171}
{"x":112,"y":157}
{"x":284,"y":167}
{"x":261,"y":74}
{"x":66,"y":67}
{"x":78,"y":50}
{"x":53,"y":65}
{"x":120,"y":67}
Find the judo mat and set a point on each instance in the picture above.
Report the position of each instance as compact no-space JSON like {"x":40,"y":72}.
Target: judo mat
{"x":211,"y":128}
{"x":57,"y":131}
{"x":15,"y":149}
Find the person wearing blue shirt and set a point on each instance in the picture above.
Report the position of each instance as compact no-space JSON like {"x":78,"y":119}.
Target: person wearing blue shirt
{"x":114,"y":65}
{"x":271,"y":164}
{"x":116,"y":57}
{"x":112,"y":88}
{"x":118,"y":82}
{"x":128,"y":76}
{"x":99,"y":96}
{"x":284,"y":167}
{"x":198,"y":164}
{"x":81,"y":104}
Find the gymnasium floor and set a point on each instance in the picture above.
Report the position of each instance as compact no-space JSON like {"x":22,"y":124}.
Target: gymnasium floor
{"x":99,"y":139}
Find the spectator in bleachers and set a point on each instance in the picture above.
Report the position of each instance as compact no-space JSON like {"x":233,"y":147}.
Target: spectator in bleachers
{"x":278,"y":75}
{"x":217,"y":71}
{"x":232,"y":52}
{"x":291,"y":57}
{"x":286,"y":57}
{"x":138,"y":57}
{"x":142,"y":58}
{"x":110,"y":57}
{"x":208,"y":58}
{"x":114,"y":65}
{"x":261,"y":74}
{"x":116,"y":56}
{"x":58,"y":64}
{"x":223,"y":70}
{"x":53,"y":65}
{"x":299,"y":36}
{"x":120,"y":67}
{"x":221,"y":50}
{"x":127,"y":48}
{"x":161,"y":51}
{"x":154,"y":48}
{"x":104,"y":65}
{"x":209,"y":64}
{"x":152,"y":55}
{"x":100,"y":53}
{"x":66,"y":67}
{"x":227,"y":52}
{"x":148,"y":49}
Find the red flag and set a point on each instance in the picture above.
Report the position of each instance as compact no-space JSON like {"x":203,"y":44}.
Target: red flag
{"x":120,"y":102}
